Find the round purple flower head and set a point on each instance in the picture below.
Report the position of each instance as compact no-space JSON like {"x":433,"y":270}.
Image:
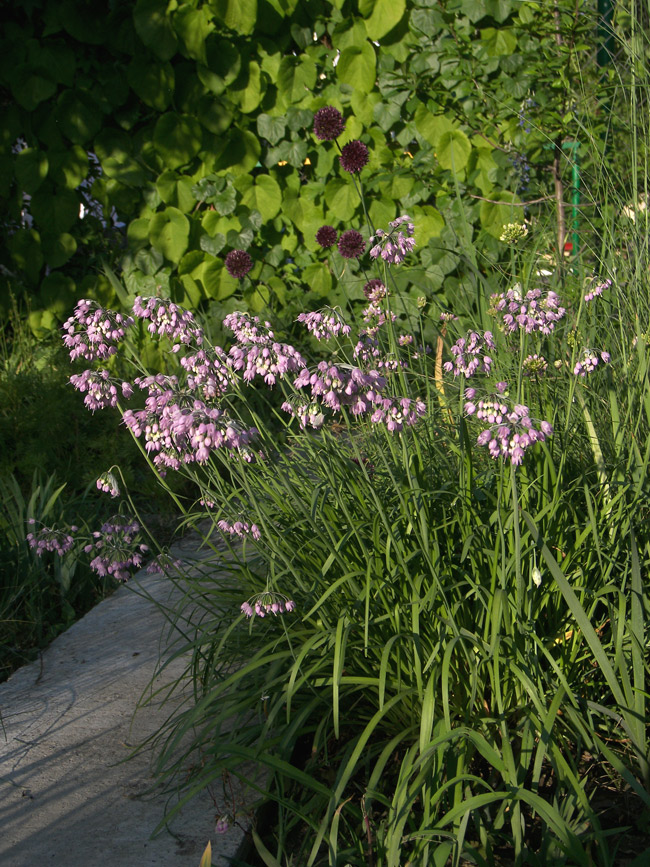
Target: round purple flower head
{"x":326,"y":236}
{"x":351,"y":245}
{"x":238,"y":263}
{"x":328,"y":123}
{"x":354,"y":156}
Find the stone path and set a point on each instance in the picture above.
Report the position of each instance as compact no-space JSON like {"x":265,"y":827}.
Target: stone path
{"x":67,"y":722}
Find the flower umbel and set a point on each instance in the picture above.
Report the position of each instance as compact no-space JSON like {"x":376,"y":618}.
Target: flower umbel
{"x":354,"y":156}
{"x":238,"y":263}
{"x":351,"y":244}
{"x":328,"y":123}
{"x":326,"y":236}
{"x":267,"y":603}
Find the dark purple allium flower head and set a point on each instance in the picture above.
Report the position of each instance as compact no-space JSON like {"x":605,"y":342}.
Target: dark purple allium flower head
{"x":354,"y":156}
{"x":326,"y":236}
{"x":328,"y":123}
{"x":351,"y":245}
{"x":238,"y":263}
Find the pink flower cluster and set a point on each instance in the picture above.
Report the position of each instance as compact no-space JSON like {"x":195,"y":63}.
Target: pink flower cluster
{"x":589,"y":359}
{"x":597,"y":290}
{"x":240,"y":528}
{"x":257,"y":352}
{"x":163,"y":564}
{"x":534,"y":311}
{"x":50,"y":539}
{"x":178,"y":429}
{"x":108,"y":484}
{"x":100,"y":388}
{"x":92,"y":332}
{"x":209,"y":372}
{"x":168,"y":320}
{"x":117,"y":547}
{"x":470,"y":354}
{"x":308,"y":414}
{"x":338,"y":386}
{"x":394,"y":246}
{"x":511,"y":430}
{"x":267,"y":603}
{"x":325,"y":324}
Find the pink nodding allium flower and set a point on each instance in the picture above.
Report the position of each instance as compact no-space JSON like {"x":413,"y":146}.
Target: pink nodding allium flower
{"x":309,"y":414}
{"x":169,"y":320}
{"x":100,"y":388}
{"x":588,"y":362}
{"x":93,"y":332}
{"x":534,"y":365}
{"x":179,"y":429}
{"x":118,"y":549}
{"x":597,"y":290}
{"x":240,"y":528}
{"x":393,"y":246}
{"x":470,"y":354}
{"x":326,"y":236}
{"x":511,"y":430}
{"x":267,"y":603}
{"x":351,"y":244}
{"x":208,"y":372}
{"x":354,"y":156}
{"x":50,"y":539}
{"x":328,"y":123}
{"x":163,"y":564}
{"x":534,"y":311}
{"x":325,"y":324}
{"x":257,"y":352}
{"x":108,"y":484}
{"x":238,"y":263}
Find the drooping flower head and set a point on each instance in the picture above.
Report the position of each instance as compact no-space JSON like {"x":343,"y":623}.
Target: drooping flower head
{"x":393,"y":246}
{"x":354,"y":156}
{"x":238,"y":263}
{"x":328,"y":123}
{"x":326,"y":236}
{"x":351,"y":244}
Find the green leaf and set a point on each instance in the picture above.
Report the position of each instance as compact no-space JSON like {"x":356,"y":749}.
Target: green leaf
{"x":225,"y":201}
{"x":113,"y":143}
{"x":474,"y":9}
{"x":25,"y":248}
{"x":56,"y":293}
{"x":381,"y":211}
{"x":213,"y":246}
{"x":386,"y":14}
{"x":499,"y":42}
{"x":318,"y":278}
{"x":77,"y":117}
{"x":68,"y":168}
{"x":341,"y":199}
{"x":154,"y":28}
{"x":31,"y":169}
{"x":193,"y":27}
{"x":169,"y":232}
{"x":265,"y":196}
{"x":58,"y":249}
{"x":176,"y":190}
{"x":237,"y":15}
{"x":271,"y":128}
{"x":357,"y":67}
{"x":453,"y":150}
{"x":29,"y":88}
{"x":125,"y":170}
{"x":216,"y":281}
{"x":431,"y":126}
{"x":296,"y":78}
{"x":177,"y":138}
{"x":214,"y":116}
{"x":222,"y":65}
{"x":297,"y":153}
{"x":55,"y":211}
{"x":250,"y":96}
{"x":495,"y":214}
{"x":428,"y":223}
{"x":241,"y":151}
{"x":152,"y":82}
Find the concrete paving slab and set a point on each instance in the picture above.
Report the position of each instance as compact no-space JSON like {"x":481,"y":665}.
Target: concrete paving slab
{"x":66,"y":798}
